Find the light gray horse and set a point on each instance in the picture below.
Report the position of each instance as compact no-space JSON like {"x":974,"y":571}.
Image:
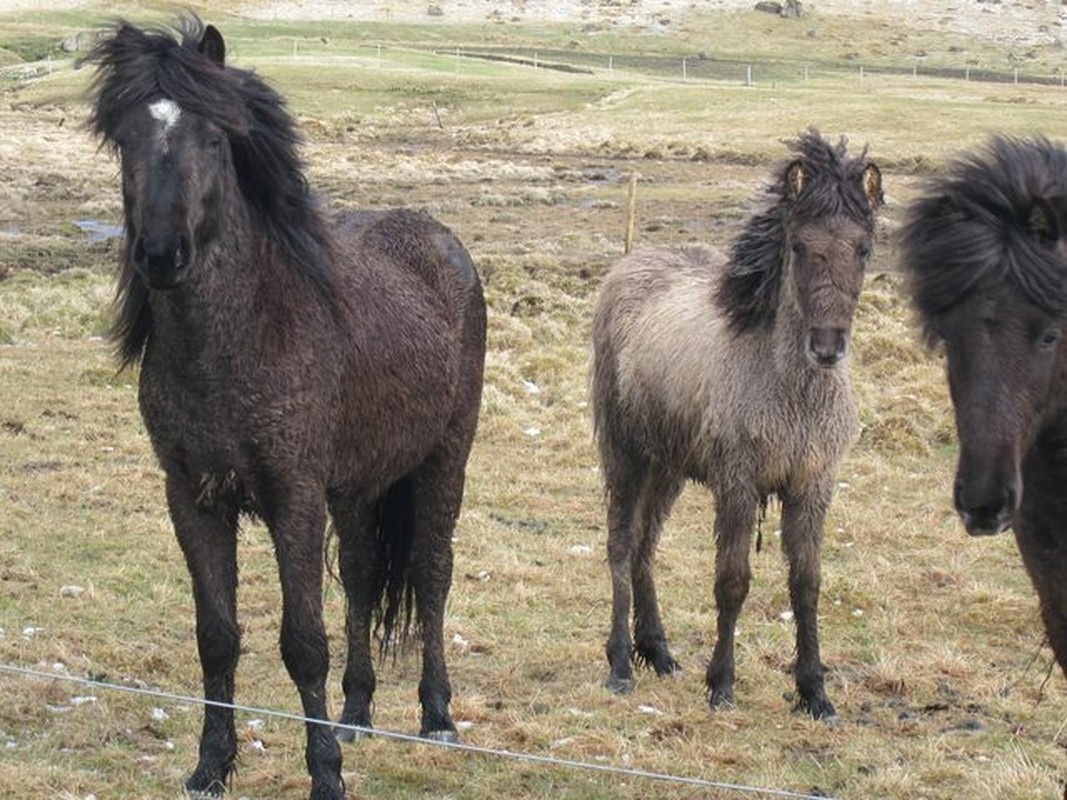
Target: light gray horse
{"x":733,"y":372}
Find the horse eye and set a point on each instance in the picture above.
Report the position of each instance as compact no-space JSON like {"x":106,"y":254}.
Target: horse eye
{"x":797,"y":248}
{"x":863,"y":252}
{"x":1050,"y":338}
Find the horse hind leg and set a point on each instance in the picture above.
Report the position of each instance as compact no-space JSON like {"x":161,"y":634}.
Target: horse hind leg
{"x":436,"y":495}
{"x":657,"y":495}
{"x":359,"y":561}
{"x":622,"y":480}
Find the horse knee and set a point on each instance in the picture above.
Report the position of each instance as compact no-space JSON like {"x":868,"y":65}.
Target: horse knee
{"x":306,"y":654}
{"x":731,"y":588}
{"x":219,"y":644}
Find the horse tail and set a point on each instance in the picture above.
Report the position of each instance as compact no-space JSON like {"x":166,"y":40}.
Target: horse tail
{"x":394,"y":591}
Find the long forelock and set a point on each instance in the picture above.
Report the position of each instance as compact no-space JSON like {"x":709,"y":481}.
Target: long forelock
{"x":969,"y":229}
{"x":833,"y":182}
{"x":833,"y":187}
{"x":139,"y":66}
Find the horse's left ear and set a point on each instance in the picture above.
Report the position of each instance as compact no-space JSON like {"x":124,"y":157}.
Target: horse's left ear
{"x":871,"y":180}
{"x":1043,"y":222}
{"x":794,"y":179}
{"x":212,"y":45}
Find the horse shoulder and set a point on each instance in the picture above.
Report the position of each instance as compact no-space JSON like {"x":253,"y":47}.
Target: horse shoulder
{"x":657,"y":317}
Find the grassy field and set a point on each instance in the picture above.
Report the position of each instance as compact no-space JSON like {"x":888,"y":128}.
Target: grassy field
{"x":934,"y":652}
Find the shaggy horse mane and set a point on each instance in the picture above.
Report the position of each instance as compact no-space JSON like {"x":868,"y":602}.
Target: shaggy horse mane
{"x":832,"y":186}
{"x":138,"y":65}
{"x":991,"y":217}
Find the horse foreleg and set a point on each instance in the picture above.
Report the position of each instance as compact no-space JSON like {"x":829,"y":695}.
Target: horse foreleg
{"x":734,"y":519}
{"x":298,"y":531}
{"x":802,"y":524}
{"x":356,"y":522}
{"x":208,"y":539}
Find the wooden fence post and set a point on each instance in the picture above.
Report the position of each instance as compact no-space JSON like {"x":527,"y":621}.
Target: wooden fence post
{"x":631,"y":214}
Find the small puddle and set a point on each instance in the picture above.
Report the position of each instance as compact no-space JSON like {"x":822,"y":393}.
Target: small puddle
{"x":98,"y":231}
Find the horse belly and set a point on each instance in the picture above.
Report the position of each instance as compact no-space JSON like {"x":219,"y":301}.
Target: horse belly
{"x":388,"y":427}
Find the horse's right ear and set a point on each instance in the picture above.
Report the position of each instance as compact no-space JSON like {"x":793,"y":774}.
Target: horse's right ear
{"x":794,"y":179}
{"x":212,"y":45}
{"x":872,"y":185}
{"x":1042,"y":222}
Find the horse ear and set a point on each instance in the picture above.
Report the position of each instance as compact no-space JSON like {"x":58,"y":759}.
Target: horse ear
{"x":871,"y":180}
{"x":1042,"y":222}
{"x":794,"y":179}
{"x":212,"y":45}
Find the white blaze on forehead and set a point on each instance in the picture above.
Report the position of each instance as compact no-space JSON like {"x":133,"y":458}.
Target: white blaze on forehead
{"x":167,"y":113}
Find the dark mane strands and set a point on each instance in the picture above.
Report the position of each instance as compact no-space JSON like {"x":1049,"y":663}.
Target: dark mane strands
{"x":832,"y":186}
{"x":138,"y":65}
{"x":972,"y":226}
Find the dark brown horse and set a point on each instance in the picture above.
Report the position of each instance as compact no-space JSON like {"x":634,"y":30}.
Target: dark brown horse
{"x":288,"y":367}
{"x":732,"y":371}
{"x":985,"y":249}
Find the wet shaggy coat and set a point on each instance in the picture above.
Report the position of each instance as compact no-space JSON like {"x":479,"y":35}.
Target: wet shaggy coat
{"x":290,"y":365}
{"x":732,"y":371}
{"x":985,"y":251}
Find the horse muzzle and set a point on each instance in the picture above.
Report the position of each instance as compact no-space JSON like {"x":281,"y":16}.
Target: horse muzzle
{"x":827,"y":347}
{"x":985,"y":516}
{"x":162,"y":262}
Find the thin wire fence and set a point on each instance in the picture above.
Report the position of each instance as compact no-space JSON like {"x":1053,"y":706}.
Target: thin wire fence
{"x":695,"y":67}
{"x":489,"y":752}
{"x":700,"y":66}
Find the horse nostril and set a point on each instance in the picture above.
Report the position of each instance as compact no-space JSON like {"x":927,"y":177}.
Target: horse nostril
{"x":827,"y":346}
{"x":139,"y":253}
{"x":985,"y":513}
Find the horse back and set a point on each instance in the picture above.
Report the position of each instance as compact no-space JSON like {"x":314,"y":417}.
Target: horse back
{"x":409,"y":241}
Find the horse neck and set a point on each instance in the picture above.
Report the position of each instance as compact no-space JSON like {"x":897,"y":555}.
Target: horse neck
{"x":212,"y":314}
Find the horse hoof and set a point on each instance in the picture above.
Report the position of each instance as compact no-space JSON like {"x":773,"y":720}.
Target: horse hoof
{"x":619,"y":685}
{"x":666,"y":667}
{"x":327,"y":792}
{"x":213,"y":791}
{"x":722,"y":700}
{"x":827,"y":714}
{"x":820,"y":709}
{"x":346,"y":734}
{"x":446,"y":736}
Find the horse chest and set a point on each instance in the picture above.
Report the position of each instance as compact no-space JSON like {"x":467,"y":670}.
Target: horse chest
{"x":218,"y":436}
{"x":783,"y":438}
